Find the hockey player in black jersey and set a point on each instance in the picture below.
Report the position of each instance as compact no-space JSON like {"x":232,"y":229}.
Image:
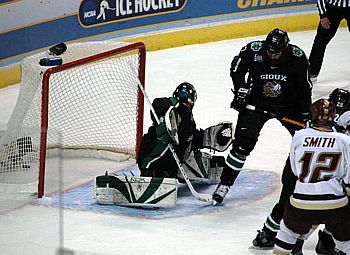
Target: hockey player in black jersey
{"x":273,"y":76}
{"x":341,"y":99}
{"x":155,"y":158}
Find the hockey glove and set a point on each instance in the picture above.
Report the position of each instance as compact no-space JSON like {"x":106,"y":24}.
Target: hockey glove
{"x":218,"y":137}
{"x":240,"y":99}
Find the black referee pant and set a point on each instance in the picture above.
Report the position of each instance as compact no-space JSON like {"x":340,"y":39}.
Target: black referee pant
{"x":324,"y":36}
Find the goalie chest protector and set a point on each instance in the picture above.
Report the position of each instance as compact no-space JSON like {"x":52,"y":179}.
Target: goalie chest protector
{"x":136,"y":191}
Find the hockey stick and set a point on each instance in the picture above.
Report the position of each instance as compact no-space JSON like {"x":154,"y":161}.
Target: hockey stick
{"x":285,"y":119}
{"x":200,"y":196}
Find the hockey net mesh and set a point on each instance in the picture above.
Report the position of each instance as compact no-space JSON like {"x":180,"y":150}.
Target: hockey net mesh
{"x":92,"y":106}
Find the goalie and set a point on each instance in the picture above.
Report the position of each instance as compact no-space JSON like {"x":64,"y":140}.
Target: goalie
{"x":177,"y":127}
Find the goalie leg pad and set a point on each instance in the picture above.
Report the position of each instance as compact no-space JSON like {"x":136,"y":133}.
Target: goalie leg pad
{"x":136,"y":191}
{"x":217,"y":164}
{"x":218,"y":137}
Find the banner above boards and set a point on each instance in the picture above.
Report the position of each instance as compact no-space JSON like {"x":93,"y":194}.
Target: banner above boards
{"x":97,"y":12}
{"x":72,"y":20}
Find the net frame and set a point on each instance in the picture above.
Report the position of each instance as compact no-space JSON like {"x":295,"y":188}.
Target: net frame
{"x":45,"y":99}
{"x":107,"y":52}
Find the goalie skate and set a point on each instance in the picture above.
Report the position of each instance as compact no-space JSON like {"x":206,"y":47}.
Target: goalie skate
{"x":135,"y":191}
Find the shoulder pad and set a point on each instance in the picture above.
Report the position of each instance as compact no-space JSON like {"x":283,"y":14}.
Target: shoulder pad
{"x":174,"y":101}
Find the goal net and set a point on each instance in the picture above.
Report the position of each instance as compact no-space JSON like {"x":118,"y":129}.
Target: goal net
{"x":92,"y":102}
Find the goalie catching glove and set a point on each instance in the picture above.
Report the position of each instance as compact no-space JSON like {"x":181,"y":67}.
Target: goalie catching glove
{"x":218,"y":137}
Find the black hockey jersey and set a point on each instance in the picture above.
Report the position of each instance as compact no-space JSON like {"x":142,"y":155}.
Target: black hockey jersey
{"x":284,"y":84}
{"x":153,"y":153}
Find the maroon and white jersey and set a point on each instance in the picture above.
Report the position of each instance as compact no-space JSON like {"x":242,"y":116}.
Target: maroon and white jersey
{"x":321,"y":161}
{"x":344,"y":120}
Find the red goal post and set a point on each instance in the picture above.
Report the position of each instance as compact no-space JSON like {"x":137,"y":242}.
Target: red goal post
{"x":90,"y":102}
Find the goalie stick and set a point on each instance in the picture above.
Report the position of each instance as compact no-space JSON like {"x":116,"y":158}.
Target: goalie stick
{"x":285,"y":119}
{"x":200,"y":196}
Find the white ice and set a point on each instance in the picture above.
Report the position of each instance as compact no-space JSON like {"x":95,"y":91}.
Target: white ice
{"x":36,"y":229}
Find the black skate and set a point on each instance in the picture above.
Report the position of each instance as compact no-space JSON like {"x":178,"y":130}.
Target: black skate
{"x":220,"y":193}
{"x":298,"y":248}
{"x":264,"y":240}
{"x":326,"y":245}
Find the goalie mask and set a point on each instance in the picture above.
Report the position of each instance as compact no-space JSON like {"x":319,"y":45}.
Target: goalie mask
{"x":186,"y":93}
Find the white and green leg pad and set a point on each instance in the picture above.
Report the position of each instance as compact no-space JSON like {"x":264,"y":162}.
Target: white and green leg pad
{"x":136,"y":191}
{"x":202,"y":167}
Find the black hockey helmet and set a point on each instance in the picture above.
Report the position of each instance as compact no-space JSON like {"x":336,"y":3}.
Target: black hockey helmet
{"x":322,"y":112}
{"x":341,"y":99}
{"x":277,"y":40}
{"x":186,"y":92}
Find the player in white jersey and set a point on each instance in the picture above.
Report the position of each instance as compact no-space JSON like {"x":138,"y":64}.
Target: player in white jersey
{"x":320,"y":158}
{"x":341,"y":99}
{"x":344,"y":121}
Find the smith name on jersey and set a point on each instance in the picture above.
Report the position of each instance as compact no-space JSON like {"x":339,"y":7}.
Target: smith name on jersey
{"x":321,"y":161}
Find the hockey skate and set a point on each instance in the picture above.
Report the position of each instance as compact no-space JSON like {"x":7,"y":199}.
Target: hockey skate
{"x":298,"y":248}
{"x":264,"y":240}
{"x":220,"y":193}
{"x":326,"y":245}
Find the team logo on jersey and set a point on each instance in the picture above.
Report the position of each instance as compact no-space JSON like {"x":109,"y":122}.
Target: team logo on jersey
{"x":272,"y":89}
{"x":297,"y":52}
{"x":256,"y":46}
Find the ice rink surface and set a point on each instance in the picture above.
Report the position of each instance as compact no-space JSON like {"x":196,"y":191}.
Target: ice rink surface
{"x":40,"y":226}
